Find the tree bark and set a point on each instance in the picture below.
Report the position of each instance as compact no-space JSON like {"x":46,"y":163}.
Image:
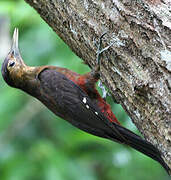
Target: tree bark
{"x":137,"y":68}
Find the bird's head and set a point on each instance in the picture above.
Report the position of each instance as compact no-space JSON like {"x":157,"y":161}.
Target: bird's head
{"x":13,"y":68}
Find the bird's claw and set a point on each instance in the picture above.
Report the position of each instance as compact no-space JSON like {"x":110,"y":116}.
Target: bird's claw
{"x":99,"y":50}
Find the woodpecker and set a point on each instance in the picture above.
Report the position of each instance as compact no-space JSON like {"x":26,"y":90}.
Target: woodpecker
{"x":74,"y":98}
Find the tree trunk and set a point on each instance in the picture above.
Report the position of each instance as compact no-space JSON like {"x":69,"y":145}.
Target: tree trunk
{"x":137,"y":67}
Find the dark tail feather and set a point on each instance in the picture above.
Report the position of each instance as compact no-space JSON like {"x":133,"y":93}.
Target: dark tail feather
{"x":136,"y":142}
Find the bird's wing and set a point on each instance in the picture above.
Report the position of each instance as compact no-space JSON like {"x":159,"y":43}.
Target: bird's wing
{"x":78,"y":109}
{"x":70,"y":102}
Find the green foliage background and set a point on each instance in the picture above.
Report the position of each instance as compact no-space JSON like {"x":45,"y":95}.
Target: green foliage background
{"x":37,"y":145}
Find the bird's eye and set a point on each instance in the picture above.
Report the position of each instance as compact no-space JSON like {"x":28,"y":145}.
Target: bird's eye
{"x":11,"y":64}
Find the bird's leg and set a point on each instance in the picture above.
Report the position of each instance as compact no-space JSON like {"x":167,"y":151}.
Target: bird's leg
{"x":88,"y":80}
{"x":96,"y":70}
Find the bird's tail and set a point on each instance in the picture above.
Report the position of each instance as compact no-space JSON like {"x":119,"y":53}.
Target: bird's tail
{"x":129,"y":138}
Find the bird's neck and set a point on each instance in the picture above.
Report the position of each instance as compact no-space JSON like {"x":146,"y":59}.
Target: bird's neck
{"x":26,"y":77}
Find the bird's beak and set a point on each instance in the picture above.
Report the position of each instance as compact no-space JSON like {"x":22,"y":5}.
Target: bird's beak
{"x":14,"y":47}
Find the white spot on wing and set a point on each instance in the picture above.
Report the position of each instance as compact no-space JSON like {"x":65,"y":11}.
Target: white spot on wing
{"x":87,"y":106}
{"x":84,"y":100}
{"x":96,"y":113}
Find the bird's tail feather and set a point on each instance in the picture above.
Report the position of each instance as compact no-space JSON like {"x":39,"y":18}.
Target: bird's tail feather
{"x":129,"y":138}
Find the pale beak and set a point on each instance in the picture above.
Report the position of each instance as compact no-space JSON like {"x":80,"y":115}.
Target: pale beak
{"x":14,"y":47}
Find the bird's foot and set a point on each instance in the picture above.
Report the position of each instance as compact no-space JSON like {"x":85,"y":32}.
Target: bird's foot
{"x":99,"y":48}
{"x":100,"y":51}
